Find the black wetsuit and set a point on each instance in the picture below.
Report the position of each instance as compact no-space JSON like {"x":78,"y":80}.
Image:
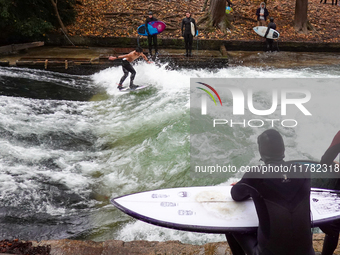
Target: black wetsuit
{"x":151,"y":38}
{"x":283,"y":209}
{"x":188,"y":37}
{"x":127,"y":67}
{"x":330,"y":229}
{"x":282,"y":205}
{"x":270,"y":41}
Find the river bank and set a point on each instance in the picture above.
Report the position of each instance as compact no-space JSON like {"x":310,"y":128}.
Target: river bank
{"x":90,"y":55}
{"x":117,"y":247}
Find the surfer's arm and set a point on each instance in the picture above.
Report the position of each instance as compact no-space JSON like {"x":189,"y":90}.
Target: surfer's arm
{"x":240,"y":191}
{"x":195,"y":26}
{"x":182,"y":27}
{"x":146,"y":25}
{"x":265,"y":35}
{"x":145,"y":58}
{"x":114,"y":58}
{"x":331,"y":153}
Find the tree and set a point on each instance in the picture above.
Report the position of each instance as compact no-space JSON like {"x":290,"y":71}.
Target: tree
{"x":28,"y":20}
{"x":216,"y":16}
{"x":301,"y":23}
{"x":55,"y":7}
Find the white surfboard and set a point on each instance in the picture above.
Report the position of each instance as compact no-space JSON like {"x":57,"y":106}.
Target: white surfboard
{"x":193,"y":32}
{"x":211,"y":209}
{"x":127,"y":89}
{"x":261,"y":31}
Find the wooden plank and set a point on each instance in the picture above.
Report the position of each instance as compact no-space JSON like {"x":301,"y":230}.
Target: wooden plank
{"x":16,"y":47}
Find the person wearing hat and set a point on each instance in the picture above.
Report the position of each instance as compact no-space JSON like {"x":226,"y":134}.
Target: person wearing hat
{"x":262,"y":14}
{"x":268,"y":40}
{"x":151,"y":38}
{"x":282,"y":202}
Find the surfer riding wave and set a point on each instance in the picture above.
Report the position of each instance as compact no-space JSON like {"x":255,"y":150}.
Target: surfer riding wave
{"x":127,"y":67}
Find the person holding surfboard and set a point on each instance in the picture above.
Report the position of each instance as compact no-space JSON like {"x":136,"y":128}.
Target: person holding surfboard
{"x":282,"y":202}
{"x":127,"y":67}
{"x":188,"y":32}
{"x":151,"y":38}
{"x":332,"y":229}
{"x":268,"y":40}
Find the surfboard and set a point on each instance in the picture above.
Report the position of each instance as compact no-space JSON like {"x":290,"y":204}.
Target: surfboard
{"x":261,"y":31}
{"x":211,"y":209}
{"x":154,"y":27}
{"x":127,"y":89}
{"x":193,"y":32}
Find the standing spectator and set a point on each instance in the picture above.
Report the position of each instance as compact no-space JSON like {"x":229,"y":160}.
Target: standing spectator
{"x":262,"y":14}
{"x":151,"y":38}
{"x":187,"y":22}
{"x":268,"y":40}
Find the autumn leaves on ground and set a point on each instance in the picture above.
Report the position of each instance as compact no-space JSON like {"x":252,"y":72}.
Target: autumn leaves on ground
{"x":120,"y":18}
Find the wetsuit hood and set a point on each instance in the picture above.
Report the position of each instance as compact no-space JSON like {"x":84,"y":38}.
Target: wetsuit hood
{"x":271,"y":146}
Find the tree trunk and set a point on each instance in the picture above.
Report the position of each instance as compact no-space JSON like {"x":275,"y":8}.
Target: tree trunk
{"x":300,"y":19}
{"x":217,"y":11}
{"x":54,"y":3}
{"x":216,"y":17}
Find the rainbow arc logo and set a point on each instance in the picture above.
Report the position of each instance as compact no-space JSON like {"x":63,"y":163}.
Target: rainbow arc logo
{"x":209,"y":93}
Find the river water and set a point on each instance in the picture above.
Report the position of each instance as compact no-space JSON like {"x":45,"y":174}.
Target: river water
{"x":70,"y":143}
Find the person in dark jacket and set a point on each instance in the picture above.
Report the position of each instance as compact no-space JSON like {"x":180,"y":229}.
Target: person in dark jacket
{"x":331,"y":229}
{"x":268,"y":40}
{"x":262,"y":14}
{"x":187,"y":33}
{"x":151,"y":38}
{"x":282,"y":201}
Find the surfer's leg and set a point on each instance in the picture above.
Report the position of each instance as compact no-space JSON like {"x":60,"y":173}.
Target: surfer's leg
{"x":248,"y":242}
{"x":155,"y":44}
{"x":191,"y":39}
{"x":186,"y":42}
{"x":150,"y":44}
{"x":329,"y":244}
{"x":126,"y":73}
{"x":331,"y":238}
{"x":130,"y":69}
{"x":235,"y":247}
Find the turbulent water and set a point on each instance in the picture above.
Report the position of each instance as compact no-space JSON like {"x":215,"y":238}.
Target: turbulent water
{"x":70,"y":143}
